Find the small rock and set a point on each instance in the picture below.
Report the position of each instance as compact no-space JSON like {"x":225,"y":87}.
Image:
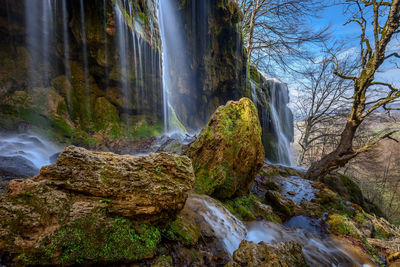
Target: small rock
{"x":282,"y":254}
{"x":291,"y":193}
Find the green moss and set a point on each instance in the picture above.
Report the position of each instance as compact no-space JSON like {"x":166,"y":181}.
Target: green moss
{"x":105,"y":115}
{"x":233,"y":129}
{"x":341,"y":225}
{"x":248,"y":208}
{"x":92,"y":240}
{"x":183,"y":231}
{"x":175,"y":122}
{"x":242,"y":207}
{"x":270,"y":185}
{"x":148,"y":130}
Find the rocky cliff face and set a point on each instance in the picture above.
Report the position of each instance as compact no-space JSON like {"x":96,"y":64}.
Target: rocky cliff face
{"x":94,"y":67}
{"x":81,"y":67}
{"x":216,"y":59}
{"x":271,"y":98}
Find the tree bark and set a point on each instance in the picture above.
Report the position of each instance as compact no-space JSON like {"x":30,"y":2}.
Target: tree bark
{"x":337,"y":158}
{"x":372,"y":60}
{"x":251,"y":29}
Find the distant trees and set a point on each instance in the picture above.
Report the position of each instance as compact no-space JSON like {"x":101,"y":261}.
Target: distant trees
{"x":275,"y":31}
{"x":379,"y":22}
{"x":378,"y":174}
{"x":320,"y":105}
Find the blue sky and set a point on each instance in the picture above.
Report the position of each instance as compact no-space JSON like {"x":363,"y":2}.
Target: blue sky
{"x":349,"y":34}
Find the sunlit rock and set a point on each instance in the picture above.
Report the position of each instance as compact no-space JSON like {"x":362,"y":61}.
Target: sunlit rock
{"x":98,"y":194}
{"x":228,"y":152}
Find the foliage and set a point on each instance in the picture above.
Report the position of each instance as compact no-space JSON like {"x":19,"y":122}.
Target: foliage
{"x":91,"y":239}
{"x":341,"y":225}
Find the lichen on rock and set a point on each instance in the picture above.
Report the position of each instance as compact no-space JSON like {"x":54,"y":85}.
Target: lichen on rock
{"x":228,"y":152}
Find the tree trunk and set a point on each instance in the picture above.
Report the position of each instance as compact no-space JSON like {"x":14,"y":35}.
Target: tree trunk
{"x":304,"y":143}
{"x":251,"y":29}
{"x":337,"y":158}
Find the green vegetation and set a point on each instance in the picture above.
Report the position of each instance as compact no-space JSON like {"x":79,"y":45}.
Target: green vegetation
{"x":91,"y":239}
{"x":342,"y":225}
{"x":183,"y":231}
{"x":148,"y":130}
{"x":249,"y":208}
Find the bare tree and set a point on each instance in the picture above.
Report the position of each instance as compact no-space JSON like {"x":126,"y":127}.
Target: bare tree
{"x":320,"y":105}
{"x":385,"y":23}
{"x":276,"y":30}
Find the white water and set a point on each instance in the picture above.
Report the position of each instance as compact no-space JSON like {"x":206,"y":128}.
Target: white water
{"x":39,"y":19}
{"x":228,"y":229}
{"x":175,"y":64}
{"x":276,"y":118}
{"x":318,"y":249}
{"x":279,"y":93}
{"x":31,"y":147}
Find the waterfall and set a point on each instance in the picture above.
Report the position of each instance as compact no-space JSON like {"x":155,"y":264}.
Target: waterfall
{"x":136,"y":61}
{"x":281,"y":119}
{"x":85,"y":56}
{"x":175,"y":63}
{"x":40,"y":25}
{"x":271,"y":98}
{"x":228,"y":229}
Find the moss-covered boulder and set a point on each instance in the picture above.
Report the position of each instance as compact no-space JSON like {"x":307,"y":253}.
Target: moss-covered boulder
{"x":93,"y":207}
{"x":228,"y":152}
{"x":281,"y":254}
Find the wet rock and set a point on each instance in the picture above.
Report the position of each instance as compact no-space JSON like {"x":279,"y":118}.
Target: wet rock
{"x":281,"y":204}
{"x":261,"y":254}
{"x":53,"y":158}
{"x":93,"y":195}
{"x":251,"y":207}
{"x":196,"y":223}
{"x":228,"y":152}
{"x":17,"y":167}
{"x":177,"y":143}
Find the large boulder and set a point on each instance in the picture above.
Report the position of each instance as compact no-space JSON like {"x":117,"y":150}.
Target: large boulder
{"x":150,"y":187}
{"x":282,"y":255}
{"x":228,"y":152}
{"x":90,"y":202}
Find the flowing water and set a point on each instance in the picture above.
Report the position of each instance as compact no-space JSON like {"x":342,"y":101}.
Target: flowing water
{"x":175,"y":62}
{"x":107,"y":45}
{"x":31,"y":147}
{"x":228,"y":229}
{"x":318,"y":248}
{"x":271,"y":98}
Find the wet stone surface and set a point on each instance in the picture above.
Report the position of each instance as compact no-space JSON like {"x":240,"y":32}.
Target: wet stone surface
{"x":296,"y":188}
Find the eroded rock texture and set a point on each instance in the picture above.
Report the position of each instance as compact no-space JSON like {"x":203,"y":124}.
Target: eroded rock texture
{"x":111,"y":193}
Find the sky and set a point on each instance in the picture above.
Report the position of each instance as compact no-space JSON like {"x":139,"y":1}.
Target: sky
{"x":349,"y":33}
